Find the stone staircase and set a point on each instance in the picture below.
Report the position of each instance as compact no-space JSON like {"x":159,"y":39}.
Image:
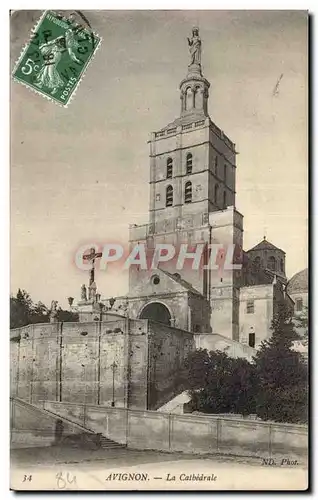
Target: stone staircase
{"x":34,"y":426}
{"x":176,"y":404}
{"x":88,"y":440}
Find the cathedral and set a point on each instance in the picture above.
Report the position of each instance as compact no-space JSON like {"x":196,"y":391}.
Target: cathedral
{"x":192,"y":200}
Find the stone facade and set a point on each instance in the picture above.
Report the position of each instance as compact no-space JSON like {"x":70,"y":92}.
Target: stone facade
{"x":187,"y":308}
{"x":258,"y":305}
{"x":74,"y":362}
{"x":216,"y":342}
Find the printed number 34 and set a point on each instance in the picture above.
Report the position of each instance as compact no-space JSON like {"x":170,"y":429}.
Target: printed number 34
{"x":28,"y":67}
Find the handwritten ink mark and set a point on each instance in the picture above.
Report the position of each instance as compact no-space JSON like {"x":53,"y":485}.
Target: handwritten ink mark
{"x":62,"y":483}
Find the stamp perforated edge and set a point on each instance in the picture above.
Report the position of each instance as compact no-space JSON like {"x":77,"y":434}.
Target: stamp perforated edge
{"x":82,"y":75}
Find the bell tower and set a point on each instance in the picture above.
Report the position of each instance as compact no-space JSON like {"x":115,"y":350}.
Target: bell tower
{"x":192,"y":161}
{"x":192,"y":192}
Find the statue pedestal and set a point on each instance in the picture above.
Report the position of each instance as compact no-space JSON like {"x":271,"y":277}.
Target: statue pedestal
{"x":194,"y":70}
{"x":88,"y":310}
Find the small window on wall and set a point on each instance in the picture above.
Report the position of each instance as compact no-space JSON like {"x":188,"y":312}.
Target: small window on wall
{"x":155,"y":279}
{"x":272,"y":263}
{"x":282,"y":265}
{"x":225,"y":174}
{"x":216,"y":193}
{"x":169,"y":196}
{"x":169,"y":168}
{"x":188,"y":192}
{"x":250,"y":307}
{"x":216,"y":166}
{"x":299,"y":305}
{"x":224,"y":200}
{"x":189,"y":163}
{"x":251,"y":339}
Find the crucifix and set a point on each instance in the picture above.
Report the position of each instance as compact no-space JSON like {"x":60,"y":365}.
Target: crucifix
{"x":265,"y":231}
{"x":91,"y":257}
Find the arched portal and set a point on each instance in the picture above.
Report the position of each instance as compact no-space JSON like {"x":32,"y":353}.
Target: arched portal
{"x":157,"y":312}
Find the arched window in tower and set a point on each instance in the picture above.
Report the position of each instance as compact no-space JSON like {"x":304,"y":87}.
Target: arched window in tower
{"x":216,"y":193}
{"x":216,"y":166}
{"x":169,"y":168}
{"x":188,"y":99}
{"x":169,"y":196}
{"x":188,"y":192}
{"x":282,"y":265}
{"x":189,"y":163}
{"x":272,"y":263}
{"x":224,"y":199}
{"x":197,"y":98}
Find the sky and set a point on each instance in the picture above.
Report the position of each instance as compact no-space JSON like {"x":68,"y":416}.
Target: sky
{"x":81,"y":174}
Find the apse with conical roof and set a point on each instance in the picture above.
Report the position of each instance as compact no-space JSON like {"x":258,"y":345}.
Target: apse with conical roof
{"x":265,"y":255}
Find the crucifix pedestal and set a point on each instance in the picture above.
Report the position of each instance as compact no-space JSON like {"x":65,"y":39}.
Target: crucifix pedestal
{"x":88,"y":306}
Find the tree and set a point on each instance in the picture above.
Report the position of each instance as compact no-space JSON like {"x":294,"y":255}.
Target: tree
{"x":39,"y":313}
{"x":281,"y":373}
{"x":196,"y":369}
{"x":220,"y":384}
{"x":274,"y":385}
{"x":301,"y":324}
{"x":24,"y":312}
{"x":20,"y":308}
{"x":66,"y":316}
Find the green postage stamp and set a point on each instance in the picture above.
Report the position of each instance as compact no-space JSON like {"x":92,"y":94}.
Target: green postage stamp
{"x":54,"y":60}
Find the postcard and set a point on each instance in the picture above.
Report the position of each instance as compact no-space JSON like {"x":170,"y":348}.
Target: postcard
{"x":159,"y":259}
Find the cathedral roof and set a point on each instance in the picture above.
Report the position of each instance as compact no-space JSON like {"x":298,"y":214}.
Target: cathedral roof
{"x":265,"y":245}
{"x":186,"y":119}
{"x":299,"y":282}
{"x":185,"y":284}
